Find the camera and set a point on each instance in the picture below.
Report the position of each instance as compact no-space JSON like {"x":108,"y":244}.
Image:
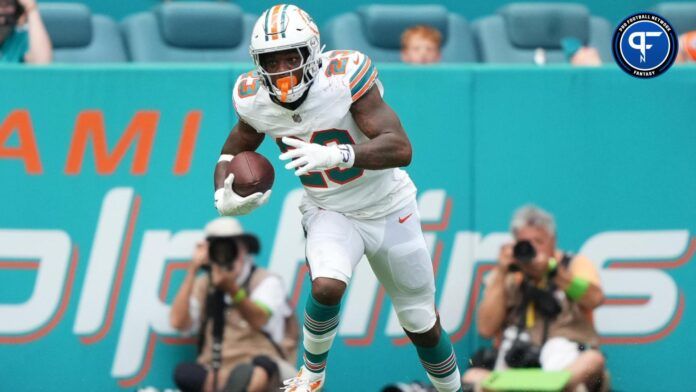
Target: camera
{"x":523,"y":354}
{"x":222,"y":251}
{"x":524,"y":251}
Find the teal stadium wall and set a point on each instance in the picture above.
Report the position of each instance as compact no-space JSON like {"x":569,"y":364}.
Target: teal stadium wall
{"x":101,"y":249}
{"x":612,"y":10}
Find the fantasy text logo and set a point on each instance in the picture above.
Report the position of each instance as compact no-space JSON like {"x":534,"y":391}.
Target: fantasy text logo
{"x":644,"y":45}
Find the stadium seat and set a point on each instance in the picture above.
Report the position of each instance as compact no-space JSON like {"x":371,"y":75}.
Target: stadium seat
{"x":682,"y":16}
{"x":376,"y":30}
{"x":80,"y":37}
{"x":514,"y":33}
{"x":189,"y":32}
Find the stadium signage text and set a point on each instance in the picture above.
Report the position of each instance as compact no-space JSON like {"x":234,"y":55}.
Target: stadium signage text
{"x":644,"y":302}
{"x":89,"y":130}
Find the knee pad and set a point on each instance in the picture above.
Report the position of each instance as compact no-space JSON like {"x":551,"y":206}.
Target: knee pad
{"x":413,"y":286}
{"x":411,"y":270}
{"x":417,"y":319}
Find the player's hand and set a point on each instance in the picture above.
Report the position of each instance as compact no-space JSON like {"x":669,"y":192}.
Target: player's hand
{"x":228,"y":202}
{"x":306,"y":157}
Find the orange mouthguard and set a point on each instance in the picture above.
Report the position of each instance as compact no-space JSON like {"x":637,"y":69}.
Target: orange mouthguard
{"x":285,"y":84}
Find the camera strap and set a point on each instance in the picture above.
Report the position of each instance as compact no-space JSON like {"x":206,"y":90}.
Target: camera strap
{"x":246,"y":286}
{"x":524,"y":311}
{"x":210,"y":301}
{"x":551,"y":287}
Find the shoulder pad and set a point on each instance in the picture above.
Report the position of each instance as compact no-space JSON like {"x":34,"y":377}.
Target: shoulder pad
{"x":245,"y":88}
{"x":357,"y":70}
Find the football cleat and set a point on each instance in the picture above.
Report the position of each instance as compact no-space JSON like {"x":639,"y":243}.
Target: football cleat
{"x":304,"y":382}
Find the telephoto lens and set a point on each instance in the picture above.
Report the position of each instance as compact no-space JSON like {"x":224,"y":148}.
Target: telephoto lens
{"x":523,"y":251}
{"x":222,"y":251}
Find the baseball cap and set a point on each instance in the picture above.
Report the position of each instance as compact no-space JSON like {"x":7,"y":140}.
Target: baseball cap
{"x":227,"y":227}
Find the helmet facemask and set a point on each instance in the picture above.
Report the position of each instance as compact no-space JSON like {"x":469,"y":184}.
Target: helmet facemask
{"x":287,"y":88}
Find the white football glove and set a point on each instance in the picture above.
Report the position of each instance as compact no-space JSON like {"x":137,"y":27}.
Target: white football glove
{"x":229,"y":203}
{"x":308,"y":157}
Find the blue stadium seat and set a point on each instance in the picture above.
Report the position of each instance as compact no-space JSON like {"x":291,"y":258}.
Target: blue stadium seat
{"x":80,"y":37}
{"x":189,"y":32}
{"x":514,"y":33}
{"x":682,"y":16}
{"x":376,"y":30}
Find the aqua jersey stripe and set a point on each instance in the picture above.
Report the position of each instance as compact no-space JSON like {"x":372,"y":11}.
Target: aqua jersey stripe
{"x":363,"y":81}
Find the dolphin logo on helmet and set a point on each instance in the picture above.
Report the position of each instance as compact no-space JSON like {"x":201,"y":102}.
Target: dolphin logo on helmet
{"x":283,"y":27}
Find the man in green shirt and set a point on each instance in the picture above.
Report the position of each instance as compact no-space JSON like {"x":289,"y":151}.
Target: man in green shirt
{"x":23,"y":37}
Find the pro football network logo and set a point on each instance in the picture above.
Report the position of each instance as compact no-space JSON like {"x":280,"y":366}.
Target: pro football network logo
{"x":645,"y":45}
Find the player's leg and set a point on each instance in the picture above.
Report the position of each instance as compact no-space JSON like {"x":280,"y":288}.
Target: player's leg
{"x":333,"y":249}
{"x":402,"y":264}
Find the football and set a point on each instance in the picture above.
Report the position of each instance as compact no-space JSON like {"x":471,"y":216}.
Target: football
{"x":252,"y":173}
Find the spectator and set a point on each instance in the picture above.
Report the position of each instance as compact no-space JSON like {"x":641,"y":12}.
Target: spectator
{"x":687,"y":48}
{"x":586,"y":56}
{"x":260,"y":331}
{"x":539,"y":300}
{"x":421,"y":45}
{"x":579,"y":55}
{"x":23,"y":37}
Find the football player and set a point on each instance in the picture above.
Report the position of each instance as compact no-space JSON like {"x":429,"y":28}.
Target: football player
{"x":326,"y":113}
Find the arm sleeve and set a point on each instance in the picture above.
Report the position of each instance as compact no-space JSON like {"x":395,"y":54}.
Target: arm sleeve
{"x":361,"y":75}
{"x":245,"y":88}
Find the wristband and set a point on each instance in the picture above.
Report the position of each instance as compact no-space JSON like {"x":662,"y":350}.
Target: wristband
{"x":577,"y":288}
{"x":240,"y":296}
{"x":347,"y":156}
{"x":225,"y":157}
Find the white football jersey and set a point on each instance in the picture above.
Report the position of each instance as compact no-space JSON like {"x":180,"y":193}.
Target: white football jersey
{"x":324,"y":117}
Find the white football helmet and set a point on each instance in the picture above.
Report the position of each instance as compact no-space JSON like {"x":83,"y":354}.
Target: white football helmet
{"x":284,"y":27}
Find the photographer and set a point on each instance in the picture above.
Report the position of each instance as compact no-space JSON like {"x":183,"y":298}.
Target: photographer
{"x":539,"y":301}
{"x":238,"y":305}
{"x":23,"y":36}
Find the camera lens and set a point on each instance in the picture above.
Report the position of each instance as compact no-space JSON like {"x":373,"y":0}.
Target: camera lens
{"x":524,"y":252}
{"x":222,"y":251}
